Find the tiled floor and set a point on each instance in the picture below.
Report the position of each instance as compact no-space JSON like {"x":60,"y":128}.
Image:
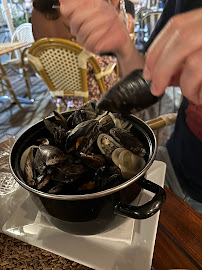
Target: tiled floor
{"x":15,"y":121}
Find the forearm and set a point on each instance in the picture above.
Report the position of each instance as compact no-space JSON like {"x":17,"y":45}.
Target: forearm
{"x":129,"y":58}
{"x":98,"y":28}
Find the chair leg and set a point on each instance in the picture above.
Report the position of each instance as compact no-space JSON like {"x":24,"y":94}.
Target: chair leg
{"x":10,"y":89}
{"x":2,"y":87}
{"x":9,"y":86}
{"x":27,"y":81}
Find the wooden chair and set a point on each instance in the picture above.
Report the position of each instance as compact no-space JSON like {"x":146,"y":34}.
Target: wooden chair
{"x":62,"y":64}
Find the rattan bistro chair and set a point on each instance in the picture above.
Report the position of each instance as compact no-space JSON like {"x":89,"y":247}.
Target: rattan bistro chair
{"x":62,"y":64}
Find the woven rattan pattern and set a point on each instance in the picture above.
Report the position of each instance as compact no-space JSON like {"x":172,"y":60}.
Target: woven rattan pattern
{"x":54,"y":60}
{"x":23,"y":33}
{"x":16,"y":255}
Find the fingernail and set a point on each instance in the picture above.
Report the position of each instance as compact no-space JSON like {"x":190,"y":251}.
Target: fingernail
{"x":153,"y":89}
{"x":147,"y":73}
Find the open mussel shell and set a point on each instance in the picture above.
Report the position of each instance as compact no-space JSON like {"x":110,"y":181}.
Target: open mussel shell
{"x":26,"y":166}
{"x":129,"y":163}
{"x":107,"y":145}
{"x":129,"y":95}
{"x":128,"y":140}
{"x":51,"y":154}
{"x":25,"y":155}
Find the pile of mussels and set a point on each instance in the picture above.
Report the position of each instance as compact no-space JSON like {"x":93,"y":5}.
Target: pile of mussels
{"x":86,"y":152}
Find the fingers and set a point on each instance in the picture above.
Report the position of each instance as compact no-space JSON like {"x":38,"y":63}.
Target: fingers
{"x":91,"y":22}
{"x":175,"y":43}
{"x":112,"y":40}
{"x":191,"y":78}
{"x":67,"y":7}
{"x":94,"y":23}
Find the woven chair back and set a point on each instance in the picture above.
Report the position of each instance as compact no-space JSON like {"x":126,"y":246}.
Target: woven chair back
{"x":23,"y":33}
{"x":62,"y":64}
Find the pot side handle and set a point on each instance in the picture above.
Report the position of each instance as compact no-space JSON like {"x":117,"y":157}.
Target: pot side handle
{"x":148,"y":209}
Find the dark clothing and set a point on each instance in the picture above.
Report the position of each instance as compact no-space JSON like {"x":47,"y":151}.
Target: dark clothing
{"x":184,"y":148}
{"x":130,"y":8}
{"x":185,"y":152}
{"x":172,"y":7}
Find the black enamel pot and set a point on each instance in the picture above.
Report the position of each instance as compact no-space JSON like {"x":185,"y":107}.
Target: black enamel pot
{"x":92,"y":213}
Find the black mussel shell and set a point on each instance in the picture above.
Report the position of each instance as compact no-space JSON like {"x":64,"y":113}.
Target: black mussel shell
{"x":108,"y":177}
{"x":128,"y":140}
{"x":129,"y":95}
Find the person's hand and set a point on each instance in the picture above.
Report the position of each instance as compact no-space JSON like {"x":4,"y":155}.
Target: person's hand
{"x":175,"y":57}
{"x":98,"y":28}
{"x":96,"y":25}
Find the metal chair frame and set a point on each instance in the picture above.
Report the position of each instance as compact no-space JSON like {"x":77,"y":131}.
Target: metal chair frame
{"x":23,"y":33}
{"x":148,"y":23}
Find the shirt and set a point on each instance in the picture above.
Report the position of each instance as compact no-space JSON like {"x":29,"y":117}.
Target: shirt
{"x":185,"y":144}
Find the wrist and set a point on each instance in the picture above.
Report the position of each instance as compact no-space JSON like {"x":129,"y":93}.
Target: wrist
{"x":128,"y":57}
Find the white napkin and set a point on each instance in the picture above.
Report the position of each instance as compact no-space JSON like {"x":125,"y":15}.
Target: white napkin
{"x":123,"y":232}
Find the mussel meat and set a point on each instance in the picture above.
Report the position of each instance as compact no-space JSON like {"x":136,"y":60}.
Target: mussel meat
{"x":129,"y":163}
{"x":107,"y":145}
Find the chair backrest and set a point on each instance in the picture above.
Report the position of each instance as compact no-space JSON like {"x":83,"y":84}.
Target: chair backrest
{"x":62,"y":64}
{"x":151,"y":3}
{"x":23,"y":33}
{"x":149,"y":21}
{"x":142,"y":12}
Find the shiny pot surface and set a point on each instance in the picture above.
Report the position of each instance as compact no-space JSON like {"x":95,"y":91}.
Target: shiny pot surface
{"x":92,"y":213}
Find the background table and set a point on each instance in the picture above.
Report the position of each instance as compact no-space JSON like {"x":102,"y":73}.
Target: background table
{"x":4,"y":81}
{"x":10,"y":47}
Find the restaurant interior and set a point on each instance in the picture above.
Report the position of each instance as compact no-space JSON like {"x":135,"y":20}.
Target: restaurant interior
{"x":32,"y":89}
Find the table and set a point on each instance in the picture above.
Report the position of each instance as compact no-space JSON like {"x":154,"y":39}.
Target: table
{"x":179,"y":237}
{"x":7,"y":48}
{"x":10,"y":47}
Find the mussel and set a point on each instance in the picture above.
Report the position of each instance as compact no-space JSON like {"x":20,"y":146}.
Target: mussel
{"x":80,"y":131}
{"x":128,"y":140}
{"x":82,"y":154}
{"x":107,"y":177}
{"x":129,"y":95}
{"x":129,"y":163}
{"x":107,"y":145}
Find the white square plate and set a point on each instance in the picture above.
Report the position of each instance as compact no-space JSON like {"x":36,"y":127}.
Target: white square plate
{"x":99,"y":254}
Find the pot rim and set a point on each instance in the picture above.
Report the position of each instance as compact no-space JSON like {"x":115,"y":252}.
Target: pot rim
{"x":90,"y":195}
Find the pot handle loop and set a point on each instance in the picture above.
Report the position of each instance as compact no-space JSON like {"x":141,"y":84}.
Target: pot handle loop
{"x":148,"y":209}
